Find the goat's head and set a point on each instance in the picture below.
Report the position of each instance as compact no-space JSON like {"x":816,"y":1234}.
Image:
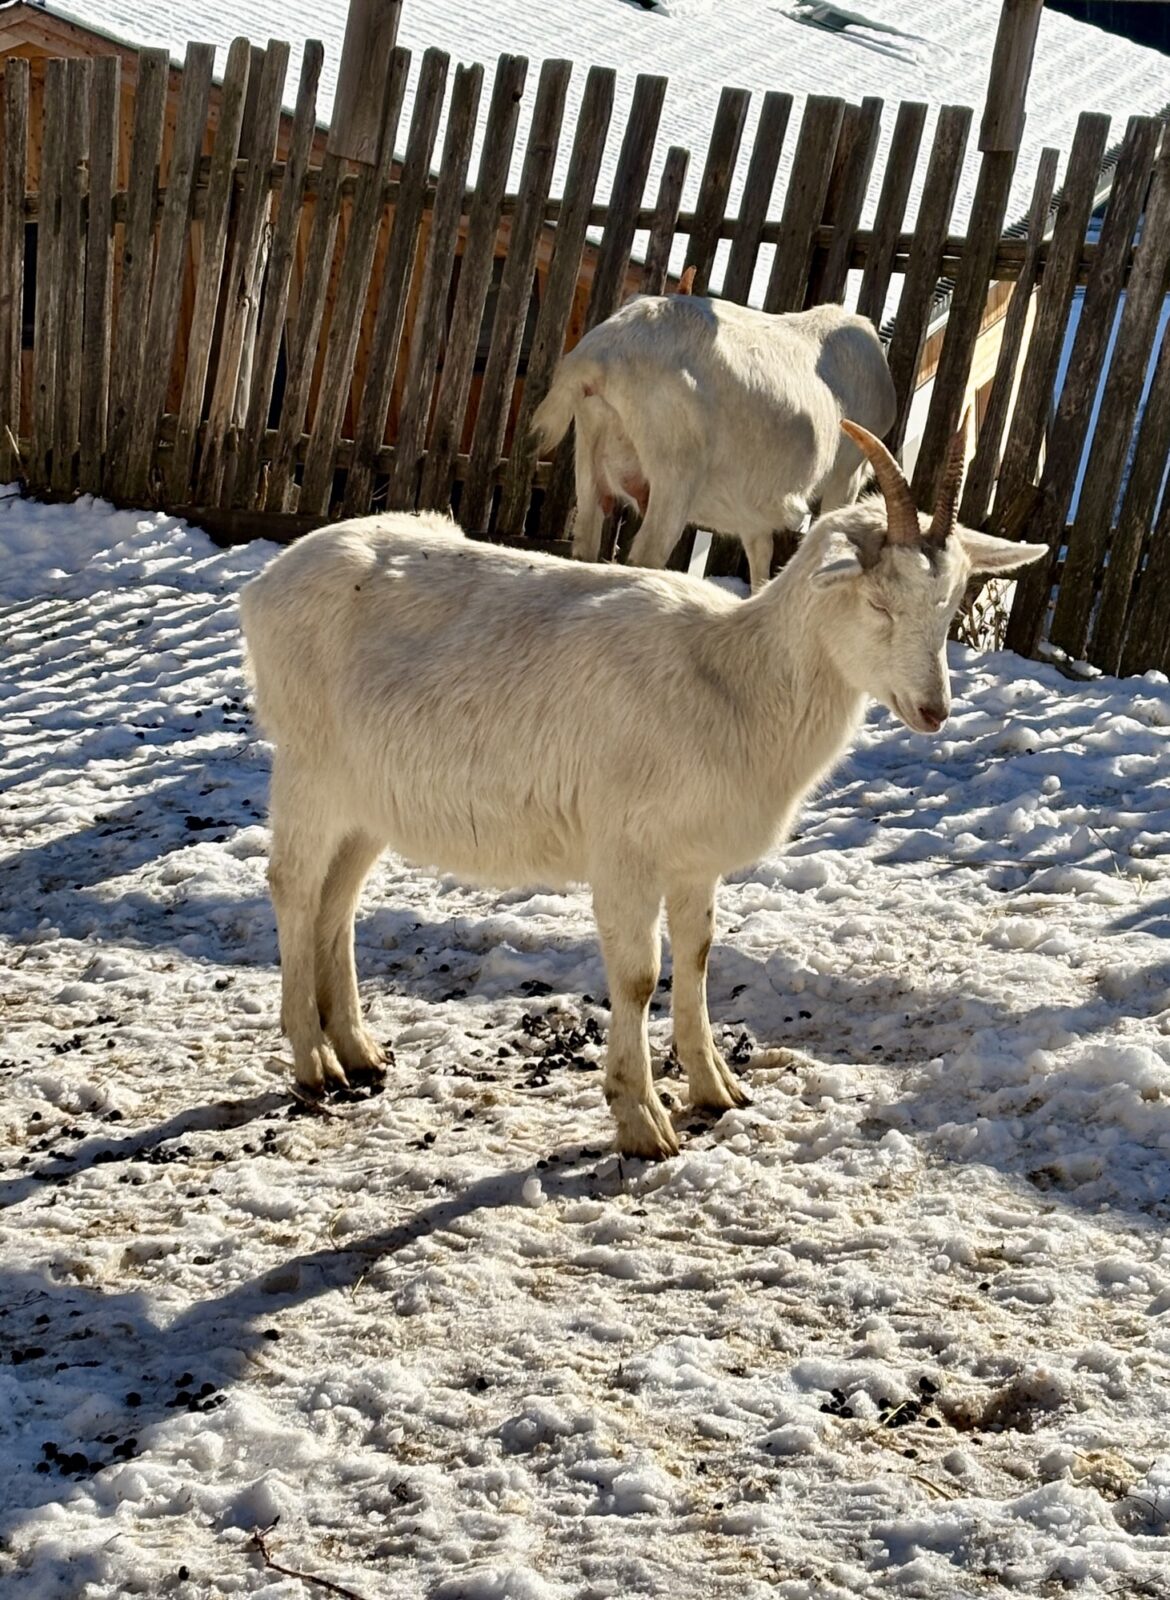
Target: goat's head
{"x":897,"y":578}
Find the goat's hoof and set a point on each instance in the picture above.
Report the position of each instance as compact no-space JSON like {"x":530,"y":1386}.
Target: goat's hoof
{"x":716,"y":1088}
{"x":361,"y":1056}
{"x":318,"y":1072}
{"x":647,"y":1132}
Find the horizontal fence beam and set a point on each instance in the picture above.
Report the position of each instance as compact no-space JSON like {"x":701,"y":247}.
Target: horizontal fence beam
{"x":1009,"y":256}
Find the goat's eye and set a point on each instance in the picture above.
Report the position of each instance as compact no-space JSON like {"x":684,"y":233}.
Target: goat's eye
{"x":882,"y":611}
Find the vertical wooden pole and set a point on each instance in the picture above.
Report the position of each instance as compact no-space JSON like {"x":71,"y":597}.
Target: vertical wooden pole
{"x":12,"y":231}
{"x":371,"y":32}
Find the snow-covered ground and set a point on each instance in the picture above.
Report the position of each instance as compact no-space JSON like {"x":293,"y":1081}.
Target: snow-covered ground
{"x":900,"y":1328}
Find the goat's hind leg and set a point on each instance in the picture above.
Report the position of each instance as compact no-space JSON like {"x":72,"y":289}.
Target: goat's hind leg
{"x":305,"y":838}
{"x":337,"y":994}
{"x":627,"y":909}
{"x":711,"y":1084}
{"x":663,"y":523}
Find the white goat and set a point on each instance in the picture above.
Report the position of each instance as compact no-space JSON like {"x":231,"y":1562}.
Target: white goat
{"x":698,"y":410}
{"x":517,"y":719}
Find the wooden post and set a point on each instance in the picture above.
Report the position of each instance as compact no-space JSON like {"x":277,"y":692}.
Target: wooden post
{"x":1002,"y":127}
{"x":371,"y":32}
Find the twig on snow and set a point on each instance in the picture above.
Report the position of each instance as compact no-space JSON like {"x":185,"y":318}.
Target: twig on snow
{"x":291,"y":1572}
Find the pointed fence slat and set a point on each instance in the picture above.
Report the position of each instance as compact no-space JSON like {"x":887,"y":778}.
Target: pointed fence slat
{"x":499,"y":376}
{"x":132,"y":470}
{"x":1145,"y":290}
{"x":613,"y":259}
{"x":71,"y":268}
{"x":856,"y":149}
{"x":210,"y":271}
{"x":662,"y":230}
{"x":757,"y":195}
{"x":560,"y":286}
{"x":345,"y":325}
{"x":395,"y":284}
{"x":1033,"y":406}
{"x":479,"y":251}
{"x":426,"y":337}
{"x":245,"y":266}
{"x":715,"y":185}
{"x":980,"y":478}
{"x":303,"y":343}
{"x":278,"y":276}
{"x":129,"y":351}
{"x":926,"y":255}
{"x":12,"y":241}
{"x":891,"y":209}
{"x":804,"y":202}
{"x":99,"y":268}
{"x":1073,"y":411}
{"x":1150,"y":612}
{"x":964,"y":320}
{"x":48,"y":280}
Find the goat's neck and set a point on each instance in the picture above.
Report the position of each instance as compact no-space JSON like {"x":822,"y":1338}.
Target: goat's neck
{"x":812,"y":710}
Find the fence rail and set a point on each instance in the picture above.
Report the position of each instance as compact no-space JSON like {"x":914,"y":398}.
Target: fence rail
{"x":222,"y":313}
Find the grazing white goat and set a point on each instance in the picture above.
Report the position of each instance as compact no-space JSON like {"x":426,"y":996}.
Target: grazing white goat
{"x":699,"y":410}
{"x":517,"y":719}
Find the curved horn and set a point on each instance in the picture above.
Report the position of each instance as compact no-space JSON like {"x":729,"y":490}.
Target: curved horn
{"x":901,"y":512}
{"x":946,"y":507}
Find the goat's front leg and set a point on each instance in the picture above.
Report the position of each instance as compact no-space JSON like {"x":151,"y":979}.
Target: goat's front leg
{"x":711,"y":1084}
{"x":627,"y":909}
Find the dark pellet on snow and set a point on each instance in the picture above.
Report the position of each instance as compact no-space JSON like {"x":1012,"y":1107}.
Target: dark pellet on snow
{"x":133,"y":1398}
{"x":272,"y":1333}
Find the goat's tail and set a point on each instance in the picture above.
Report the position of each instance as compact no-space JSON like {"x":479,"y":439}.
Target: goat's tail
{"x":551,"y":419}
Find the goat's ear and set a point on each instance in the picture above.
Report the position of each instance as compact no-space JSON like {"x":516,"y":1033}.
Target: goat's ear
{"x":986,"y":553}
{"x":841,"y":561}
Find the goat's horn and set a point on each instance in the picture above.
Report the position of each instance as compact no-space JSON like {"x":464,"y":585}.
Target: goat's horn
{"x":901,"y":512}
{"x":946,"y":507}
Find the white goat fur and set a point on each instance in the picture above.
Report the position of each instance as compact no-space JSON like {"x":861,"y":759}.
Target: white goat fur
{"x":518,"y":720}
{"x":698,"y":410}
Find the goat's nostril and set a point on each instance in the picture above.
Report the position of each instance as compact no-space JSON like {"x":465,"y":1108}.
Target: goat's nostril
{"x":933,"y":716}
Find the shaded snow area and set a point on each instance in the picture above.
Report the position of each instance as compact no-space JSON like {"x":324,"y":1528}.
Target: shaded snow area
{"x":902,"y":1327}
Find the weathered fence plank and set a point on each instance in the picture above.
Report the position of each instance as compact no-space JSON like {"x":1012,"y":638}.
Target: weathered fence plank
{"x":345,"y":324}
{"x":1145,"y":290}
{"x":560,"y":286}
{"x":395,"y":285}
{"x":46,"y":316}
{"x":210,"y":271}
{"x":132,"y":470}
{"x":129,"y":348}
{"x":757,"y":195}
{"x":1150,"y":612}
{"x":479,"y":252}
{"x":1057,"y":284}
{"x":980,"y":480}
{"x":499,"y":376}
{"x":856,"y":148}
{"x":629,"y":185}
{"x":964,"y":320}
{"x":430,"y":319}
{"x":371,"y":32}
{"x":1074,"y":406}
{"x":804,"y":202}
{"x":278,"y":276}
{"x":244,"y":270}
{"x":905,"y":143}
{"x":98,"y":311}
{"x":715,"y":184}
{"x":661,"y":241}
{"x":71,"y":268}
{"x":922,"y":272}
{"x":12,"y":241}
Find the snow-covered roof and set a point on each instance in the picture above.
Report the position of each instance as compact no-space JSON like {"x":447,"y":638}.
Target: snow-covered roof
{"x":911,"y":50}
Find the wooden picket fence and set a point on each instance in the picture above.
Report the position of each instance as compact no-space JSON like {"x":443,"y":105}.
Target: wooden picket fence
{"x":233,"y":320}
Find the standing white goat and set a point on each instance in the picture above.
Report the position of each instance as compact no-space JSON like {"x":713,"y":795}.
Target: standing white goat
{"x":517,"y":719}
{"x":699,"y":410}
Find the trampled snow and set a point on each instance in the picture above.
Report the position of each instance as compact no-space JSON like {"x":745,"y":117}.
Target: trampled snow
{"x":901,"y":1327}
